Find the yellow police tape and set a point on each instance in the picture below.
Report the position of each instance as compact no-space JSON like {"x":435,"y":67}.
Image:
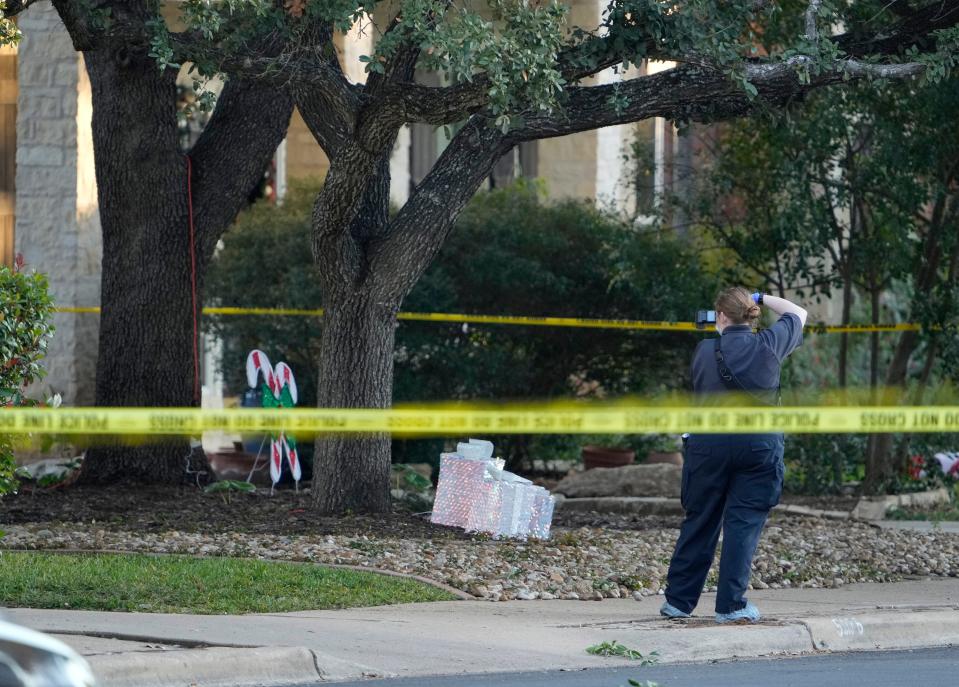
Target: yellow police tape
{"x":459,"y":421}
{"x":590,"y":323}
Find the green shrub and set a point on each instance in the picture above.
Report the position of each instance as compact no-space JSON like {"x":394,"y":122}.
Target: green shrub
{"x":510,"y":253}
{"x":25,"y":330}
{"x":513,"y":253}
{"x":822,"y":463}
{"x":267,"y":262}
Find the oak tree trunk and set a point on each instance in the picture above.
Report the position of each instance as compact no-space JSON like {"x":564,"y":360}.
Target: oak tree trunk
{"x":356,"y":371}
{"x":844,"y":337}
{"x":368,"y":263}
{"x":151,"y":280}
{"x":880,"y":468}
{"x":145,"y":355}
{"x":837,"y":459}
{"x":878,"y":463}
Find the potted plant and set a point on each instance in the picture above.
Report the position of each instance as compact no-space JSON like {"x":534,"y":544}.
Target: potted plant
{"x":607,"y":452}
{"x":665,"y":448}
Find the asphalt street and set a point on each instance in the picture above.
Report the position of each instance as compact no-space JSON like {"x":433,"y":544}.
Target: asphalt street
{"x":925,"y":668}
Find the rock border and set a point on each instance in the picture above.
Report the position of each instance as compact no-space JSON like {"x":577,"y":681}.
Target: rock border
{"x":876,"y":507}
{"x":657,"y":505}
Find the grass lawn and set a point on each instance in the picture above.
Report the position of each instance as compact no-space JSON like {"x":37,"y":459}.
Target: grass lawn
{"x":180,"y":584}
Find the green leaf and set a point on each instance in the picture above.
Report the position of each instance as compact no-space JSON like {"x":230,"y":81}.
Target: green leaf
{"x":230,"y":485}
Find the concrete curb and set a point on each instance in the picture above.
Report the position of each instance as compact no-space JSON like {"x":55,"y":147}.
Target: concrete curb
{"x":716,"y":643}
{"x":697,"y":640}
{"x":701,"y":640}
{"x":878,"y":630}
{"x":208,"y":667}
{"x":224,"y":667}
{"x":876,"y":507}
{"x":885,"y":630}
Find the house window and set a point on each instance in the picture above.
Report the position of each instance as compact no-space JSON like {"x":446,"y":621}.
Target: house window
{"x":650,"y":155}
{"x":642,"y":156}
{"x":427,"y":143}
{"x":424,"y":150}
{"x":520,"y":162}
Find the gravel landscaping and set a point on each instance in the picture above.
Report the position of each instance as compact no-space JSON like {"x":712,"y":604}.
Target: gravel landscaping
{"x":590,"y":556}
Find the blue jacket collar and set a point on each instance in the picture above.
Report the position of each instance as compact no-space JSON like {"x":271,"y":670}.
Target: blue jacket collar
{"x":737,"y":329}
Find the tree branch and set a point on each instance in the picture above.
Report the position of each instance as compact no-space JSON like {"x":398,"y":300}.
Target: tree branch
{"x":15,"y":7}
{"x":312,"y":67}
{"x":76,"y":19}
{"x":449,"y":104}
{"x":311,"y":70}
{"x":418,"y":231}
{"x":440,"y":105}
{"x":915,"y":29}
{"x":249,"y":122}
{"x":398,"y":69}
{"x":328,"y":102}
{"x":694,"y":94}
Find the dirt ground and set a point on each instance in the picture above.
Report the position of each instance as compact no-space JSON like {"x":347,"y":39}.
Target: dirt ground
{"x":188,"y":509}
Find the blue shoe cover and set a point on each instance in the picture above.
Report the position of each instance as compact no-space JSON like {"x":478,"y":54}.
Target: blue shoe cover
{"x":749,"y":614}
{"x":670,"y":611}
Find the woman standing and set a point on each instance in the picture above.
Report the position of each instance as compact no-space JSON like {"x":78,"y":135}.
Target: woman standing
{"x":731,"y":482}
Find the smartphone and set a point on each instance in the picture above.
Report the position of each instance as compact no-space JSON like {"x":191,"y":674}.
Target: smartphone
{"x":705,"y":318}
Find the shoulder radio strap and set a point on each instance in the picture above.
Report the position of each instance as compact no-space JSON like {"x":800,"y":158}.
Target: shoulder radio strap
{"x":731,"y":381}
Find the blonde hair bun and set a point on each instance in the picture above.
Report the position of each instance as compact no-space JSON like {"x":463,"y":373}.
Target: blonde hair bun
{"x":738,"y":305}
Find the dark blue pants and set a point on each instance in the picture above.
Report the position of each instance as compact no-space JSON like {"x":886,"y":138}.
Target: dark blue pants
{"x":730,"y":483}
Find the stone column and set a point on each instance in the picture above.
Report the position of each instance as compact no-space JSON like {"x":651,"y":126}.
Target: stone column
{"x":57,"y":226}
{"x":588,"y":165}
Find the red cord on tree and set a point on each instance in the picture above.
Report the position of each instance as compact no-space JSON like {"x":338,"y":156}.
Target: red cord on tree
{"x":196,"y":334}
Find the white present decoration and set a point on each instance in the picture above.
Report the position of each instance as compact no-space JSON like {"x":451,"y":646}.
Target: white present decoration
{"x":542,"y":515}
{"x":513,"y":505}
{"x":460,"y":480}
{"x":949,"y":463}
{"x":485,"y":508}
{"x":475,"y":492}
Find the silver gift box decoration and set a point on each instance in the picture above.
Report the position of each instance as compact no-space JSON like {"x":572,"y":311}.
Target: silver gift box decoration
{"x":475,"y":492}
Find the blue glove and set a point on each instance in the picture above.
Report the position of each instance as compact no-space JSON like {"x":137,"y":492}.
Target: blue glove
{"x":757,"y":298}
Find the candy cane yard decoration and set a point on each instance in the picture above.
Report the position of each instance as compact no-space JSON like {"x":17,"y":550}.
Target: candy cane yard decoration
{"x":279,"y":391}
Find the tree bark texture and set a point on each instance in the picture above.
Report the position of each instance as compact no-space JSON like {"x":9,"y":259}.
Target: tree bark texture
{"x":145,"y":353}
{"x":146,"y":346}
{"x":367,"y":268}
{"x":356,"y":371}
{"x":875,"y":292}
{"x":878,"y":464}
{"x":844,"y":337}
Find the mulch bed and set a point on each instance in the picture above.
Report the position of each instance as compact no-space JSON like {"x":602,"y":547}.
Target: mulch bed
{"x":188,"y":509}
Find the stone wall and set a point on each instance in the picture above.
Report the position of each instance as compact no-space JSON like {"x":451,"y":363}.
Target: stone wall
{"x":57,"y":227}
